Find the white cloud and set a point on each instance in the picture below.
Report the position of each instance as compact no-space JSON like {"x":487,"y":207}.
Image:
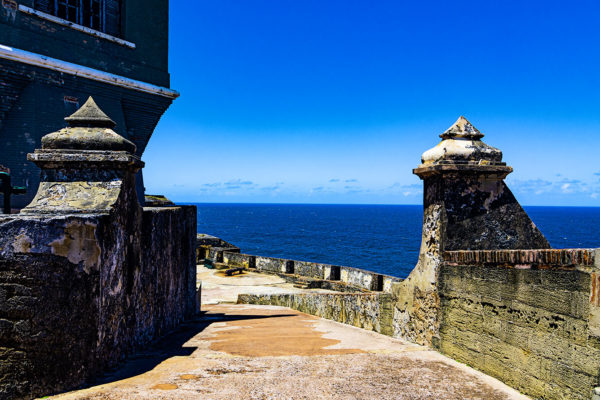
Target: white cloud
{"x":565,"y":188}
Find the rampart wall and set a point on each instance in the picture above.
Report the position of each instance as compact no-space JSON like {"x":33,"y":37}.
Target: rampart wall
{"x":530,"y":318}
{"x":353,"y":278}
{"x":75,"y":297}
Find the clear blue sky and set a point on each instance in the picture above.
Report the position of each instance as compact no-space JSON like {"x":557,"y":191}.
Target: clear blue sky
{"x":327,"y":101}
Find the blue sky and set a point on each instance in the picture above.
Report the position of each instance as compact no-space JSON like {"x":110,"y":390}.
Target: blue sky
{"x":333,"y":101}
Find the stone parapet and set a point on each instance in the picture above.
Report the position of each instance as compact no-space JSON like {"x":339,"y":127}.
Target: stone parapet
{"x":354,"y":278}
{"x":370,"y":311}
{"x":541,"y":258}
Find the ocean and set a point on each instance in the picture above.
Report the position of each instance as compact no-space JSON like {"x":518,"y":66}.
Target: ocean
{"x":381,"y":238}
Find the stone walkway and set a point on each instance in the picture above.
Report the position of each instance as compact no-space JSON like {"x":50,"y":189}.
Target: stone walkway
{"x":264,"y":352}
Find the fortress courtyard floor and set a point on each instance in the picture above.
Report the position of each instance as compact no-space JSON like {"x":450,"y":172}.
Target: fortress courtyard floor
{"x":263,"y":352}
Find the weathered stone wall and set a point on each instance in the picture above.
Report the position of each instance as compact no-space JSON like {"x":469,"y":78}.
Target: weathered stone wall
{"x":211,"y":248}
{"x":526,"y":317}
{"x":274,"y":265}
{"x":358,"y":279}
{"x":238,"y":260}
{"x":86,"y":275}
{"x":371,"y":311}
{"x":78,"y":293}
{"x":48,"y":324}
{"x":169,"y":271}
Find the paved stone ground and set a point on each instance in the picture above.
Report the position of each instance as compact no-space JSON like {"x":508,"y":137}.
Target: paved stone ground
{"x":264,"y":352}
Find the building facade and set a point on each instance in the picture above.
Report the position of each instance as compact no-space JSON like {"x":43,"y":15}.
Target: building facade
{"x":54,"y":54}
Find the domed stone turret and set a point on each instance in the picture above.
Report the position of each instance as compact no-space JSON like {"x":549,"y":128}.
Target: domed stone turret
{"x":461,"y":148}
{"x":464,"y":187}
{"x":89,"y":129}
{"x":462,"y":143}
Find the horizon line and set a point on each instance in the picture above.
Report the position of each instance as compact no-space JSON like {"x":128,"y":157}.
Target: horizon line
{"x":347,"y":204}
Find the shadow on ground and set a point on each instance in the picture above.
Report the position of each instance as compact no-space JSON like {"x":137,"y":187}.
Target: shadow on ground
{"x":171,"y":345}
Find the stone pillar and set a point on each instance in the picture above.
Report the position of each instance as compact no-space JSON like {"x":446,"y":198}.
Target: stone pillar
{"x":464,"y":183}
{"x":75,"y":257}
{"x":466,"y":206}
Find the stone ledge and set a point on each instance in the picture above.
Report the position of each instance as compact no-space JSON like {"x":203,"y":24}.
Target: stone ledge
{"x":81,"y":28}
{"x":465,"y":168}
{"x":523,"y":258}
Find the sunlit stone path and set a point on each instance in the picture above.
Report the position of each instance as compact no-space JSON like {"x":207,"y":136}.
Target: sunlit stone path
{"x":265,"y":352}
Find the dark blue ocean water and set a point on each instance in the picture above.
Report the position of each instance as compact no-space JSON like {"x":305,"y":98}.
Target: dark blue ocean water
{"x":380,"y":238}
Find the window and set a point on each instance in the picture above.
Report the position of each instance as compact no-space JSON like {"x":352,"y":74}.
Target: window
{"x":67,"y":10}
{"x":100,"y":15}
{"x":93,"y":16}
{"x":83,"y":12}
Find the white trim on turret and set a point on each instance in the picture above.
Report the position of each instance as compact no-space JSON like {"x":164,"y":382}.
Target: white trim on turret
{"x":38,"y":60}
{"x":81,"y":28}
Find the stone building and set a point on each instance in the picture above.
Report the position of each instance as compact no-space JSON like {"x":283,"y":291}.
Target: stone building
{"x":56,"y":53}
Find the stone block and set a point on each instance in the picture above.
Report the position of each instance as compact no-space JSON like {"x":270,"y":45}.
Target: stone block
{"x":309,"y":269}
{"x":359,"y":278}
{"x":238,"y":260}
{"x":270,"y":264}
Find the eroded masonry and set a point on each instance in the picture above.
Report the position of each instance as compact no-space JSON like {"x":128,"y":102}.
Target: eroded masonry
{"x":87,"y":276}
{"x":487,"y":289}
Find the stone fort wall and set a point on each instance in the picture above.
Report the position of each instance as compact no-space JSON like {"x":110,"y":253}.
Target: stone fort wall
{"x":87,"y":276}
{"x":69,"y":311}
{"x":487,"y":289}
{"x":527,"y":317}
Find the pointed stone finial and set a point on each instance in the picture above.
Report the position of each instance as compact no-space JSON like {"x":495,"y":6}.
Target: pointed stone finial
{"x":89,"y":129}
{"x":462,"y":128}
{"x":86,"y":167}
{"x":461,"y":149}
{"x":90,"y":115}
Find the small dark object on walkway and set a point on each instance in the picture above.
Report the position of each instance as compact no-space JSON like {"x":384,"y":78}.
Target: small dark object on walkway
{"x":232,"y":271}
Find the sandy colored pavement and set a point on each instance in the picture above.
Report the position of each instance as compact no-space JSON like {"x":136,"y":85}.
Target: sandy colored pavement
{"x":218,"y":288}
{"x":265,"y":352}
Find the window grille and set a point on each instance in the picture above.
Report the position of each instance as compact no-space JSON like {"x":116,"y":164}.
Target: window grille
{"x":100,"y":15}
{"x":68,"y":9}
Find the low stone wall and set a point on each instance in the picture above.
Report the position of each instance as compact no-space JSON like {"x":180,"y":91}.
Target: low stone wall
{"x":211,"y":248}
{"x":528,"y":317}
{"x":371,"y":311}
{"x":274,"y":265}
{"x":353,"y":277}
